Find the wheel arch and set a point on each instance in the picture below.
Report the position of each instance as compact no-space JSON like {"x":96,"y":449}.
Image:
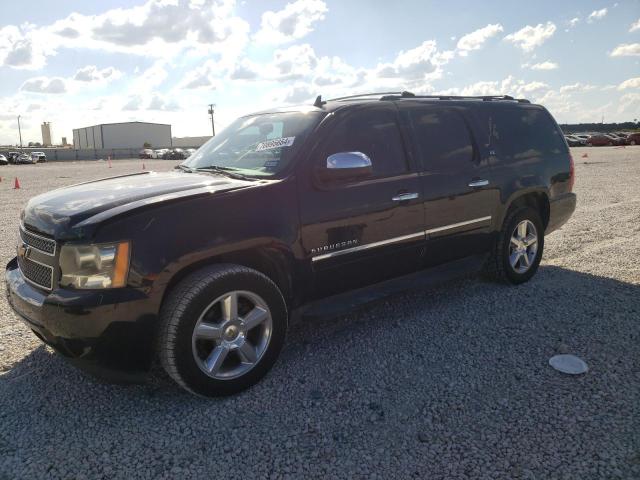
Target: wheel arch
{"x":274,"y":262}
{"x":536,"y":198}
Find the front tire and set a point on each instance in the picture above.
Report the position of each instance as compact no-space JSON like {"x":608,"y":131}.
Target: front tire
{"x":222,"y":329}
{"x":517,"y":252}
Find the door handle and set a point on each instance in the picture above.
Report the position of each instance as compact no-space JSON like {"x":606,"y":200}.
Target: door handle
{"x":404,"y":197}
{"x":479,"y":183}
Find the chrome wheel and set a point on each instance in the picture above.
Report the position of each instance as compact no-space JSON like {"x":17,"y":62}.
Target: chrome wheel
{"x":523,"y":246}
{"x":232,"y":335}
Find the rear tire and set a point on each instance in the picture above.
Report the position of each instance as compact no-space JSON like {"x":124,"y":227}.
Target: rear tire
{"x":222,"y":329}
{"x":517,"y":252}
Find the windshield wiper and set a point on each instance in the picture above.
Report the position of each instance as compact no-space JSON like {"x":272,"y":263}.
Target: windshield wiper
{"x":224,"y":171}
{"x":184,"y":168}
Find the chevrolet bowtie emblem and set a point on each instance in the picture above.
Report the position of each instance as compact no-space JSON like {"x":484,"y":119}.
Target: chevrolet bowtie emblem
{"x":24,"y":251}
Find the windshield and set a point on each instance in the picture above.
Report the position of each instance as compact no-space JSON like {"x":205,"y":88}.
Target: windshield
{"x":258,"y":145}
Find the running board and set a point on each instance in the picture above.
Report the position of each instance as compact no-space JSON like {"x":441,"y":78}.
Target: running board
{"x":344,"y":303}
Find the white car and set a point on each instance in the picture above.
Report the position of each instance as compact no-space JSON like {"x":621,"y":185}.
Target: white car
{"x":3,"y":160}
{"x":38,"y":157}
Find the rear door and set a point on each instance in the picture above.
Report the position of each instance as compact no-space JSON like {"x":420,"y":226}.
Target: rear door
{"x":366,"y":231}
{"x":457,"y":189}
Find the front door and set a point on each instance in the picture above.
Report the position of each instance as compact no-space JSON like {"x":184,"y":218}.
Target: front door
{"x":361,"y":232}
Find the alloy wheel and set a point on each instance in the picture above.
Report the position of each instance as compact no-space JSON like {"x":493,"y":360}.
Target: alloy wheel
{"x":231,"y":335}
{"x":523,"y":246}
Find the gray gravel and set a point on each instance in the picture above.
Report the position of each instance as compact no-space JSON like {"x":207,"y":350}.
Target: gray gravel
{"x":449,"y":383}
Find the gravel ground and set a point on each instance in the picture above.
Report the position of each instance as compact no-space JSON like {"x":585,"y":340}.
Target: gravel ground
{"x":449,"y":383}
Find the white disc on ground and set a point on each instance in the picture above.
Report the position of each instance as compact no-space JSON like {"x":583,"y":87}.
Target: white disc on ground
{"x":568,"y":364}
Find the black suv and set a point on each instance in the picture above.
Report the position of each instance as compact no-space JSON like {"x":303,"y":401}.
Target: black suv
{"x":202,"y":267}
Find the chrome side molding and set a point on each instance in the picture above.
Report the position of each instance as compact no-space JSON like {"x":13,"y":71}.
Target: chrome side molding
{"x":402,"y":238}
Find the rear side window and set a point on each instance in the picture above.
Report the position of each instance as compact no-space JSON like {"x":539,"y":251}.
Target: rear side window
{"x":373,"y":132}
{"x":524,"y":132}
{"x":442,"y":138}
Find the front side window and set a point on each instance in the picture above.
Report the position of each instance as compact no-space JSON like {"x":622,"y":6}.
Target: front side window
{"x":442,"y":138}
{"x":260,"y":145}
{"x":374,"y":132}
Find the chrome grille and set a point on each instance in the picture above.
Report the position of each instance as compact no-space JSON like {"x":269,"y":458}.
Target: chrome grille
{"x":37,"y":273}
{"x":45,"y":245}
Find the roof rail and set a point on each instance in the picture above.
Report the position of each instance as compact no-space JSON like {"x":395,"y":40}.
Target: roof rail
{"x":365,"y":95}
{"x":485,"y":98}
{"x":404,"y":94}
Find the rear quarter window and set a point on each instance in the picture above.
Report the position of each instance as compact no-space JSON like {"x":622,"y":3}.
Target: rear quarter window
{"x":518,"y":132}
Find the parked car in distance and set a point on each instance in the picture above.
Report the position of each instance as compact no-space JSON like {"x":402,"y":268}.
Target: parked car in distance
{"x":25,"y":158}
{"x":633,"y":138}
{"x":160,"y":153}
{"x":189,"y":151}
{"x":146,"y":153}
{"x":13,"y":157}
{"x":176,"y":154}
{"x":617,"y":138}
{"x":38,"y":157}
{"x":202,"y":267}
{"x":582,"y":137}
{"x":574,"y":141}
{"x":3,"y":160}
{"x":600,"y":140}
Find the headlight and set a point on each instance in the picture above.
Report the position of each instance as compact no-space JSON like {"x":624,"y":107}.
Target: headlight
{"x":94,"y":266}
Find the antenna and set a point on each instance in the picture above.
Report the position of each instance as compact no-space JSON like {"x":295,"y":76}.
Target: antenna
{"x":319,"y":103}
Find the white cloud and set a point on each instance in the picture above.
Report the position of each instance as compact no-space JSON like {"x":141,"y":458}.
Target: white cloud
{"x":597,"y":15}
{"x":295,"y":62}
{"x":573,"y":22}
{"x":626,"y":50}
{"x":541,"y":66}
{"x":44,"y":85}
{"x":418,"y":64}
{"x":160,"y":28}
{"x":577,"y":87}
{"x":293,"y":22}
{"x":528,"y":38}
{"x":475,"y":40}
{"x":635,"y":26}
{"x":91,"y":73}
{"x":630,"y":83}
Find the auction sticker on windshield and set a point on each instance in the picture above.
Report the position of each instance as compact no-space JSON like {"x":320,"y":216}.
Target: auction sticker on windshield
{"x":275,"y":143}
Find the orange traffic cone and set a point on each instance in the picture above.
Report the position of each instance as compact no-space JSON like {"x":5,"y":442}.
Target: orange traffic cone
{"x":585,"y":155}
{"x":16,"y":184}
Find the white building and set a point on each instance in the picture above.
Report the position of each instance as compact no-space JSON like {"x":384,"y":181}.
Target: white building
{"x":122,"y":135}
{"x":46,"y":134}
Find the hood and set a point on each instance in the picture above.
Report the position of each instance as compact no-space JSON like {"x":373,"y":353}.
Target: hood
{"x":55,"y":213}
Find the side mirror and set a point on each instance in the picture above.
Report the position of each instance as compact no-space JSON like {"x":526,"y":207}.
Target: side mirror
{"x":346,"y":166}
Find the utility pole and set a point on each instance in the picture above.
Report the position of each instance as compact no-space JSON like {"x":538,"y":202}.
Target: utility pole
{"x":20,"y":132}
{"x":212,"y":106}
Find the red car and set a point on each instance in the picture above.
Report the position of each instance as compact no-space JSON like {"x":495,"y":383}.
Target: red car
{"x":601,"y":140}
{"x":634,"y":138}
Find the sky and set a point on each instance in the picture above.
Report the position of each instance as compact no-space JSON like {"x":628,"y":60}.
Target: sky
{"x":76,"y":63}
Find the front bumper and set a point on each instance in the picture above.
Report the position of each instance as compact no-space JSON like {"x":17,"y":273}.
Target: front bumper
{"x":560,"y":210}
{"x":106,"y":332}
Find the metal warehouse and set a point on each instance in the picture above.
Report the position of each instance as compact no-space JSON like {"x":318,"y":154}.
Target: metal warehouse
{"x":122,"y":135}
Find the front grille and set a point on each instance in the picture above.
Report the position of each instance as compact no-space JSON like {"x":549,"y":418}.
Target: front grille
{"x":45,"y":245}
{"x":41,"y":275}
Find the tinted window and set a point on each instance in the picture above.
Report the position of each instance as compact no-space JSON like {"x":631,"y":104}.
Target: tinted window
{"x":373,"y":132}
{"x":442,"y":138}
{"x":518,"y":132}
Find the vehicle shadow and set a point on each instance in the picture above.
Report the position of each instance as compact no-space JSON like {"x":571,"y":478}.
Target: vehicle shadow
{"x":461,"y":361}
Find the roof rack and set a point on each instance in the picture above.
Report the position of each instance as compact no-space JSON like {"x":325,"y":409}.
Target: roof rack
{"x":399,"y":95}
{"x":485,"y":98}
